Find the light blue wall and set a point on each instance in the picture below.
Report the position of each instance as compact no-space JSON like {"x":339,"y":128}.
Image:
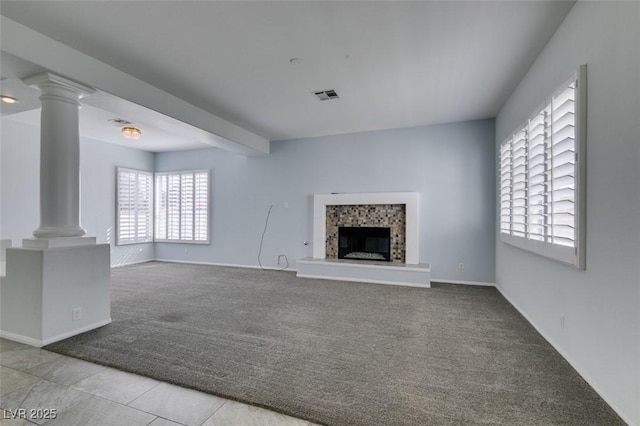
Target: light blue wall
{"x":20,"y":188}
{"x":19,"y":180}
{"x":601,"y":305}
{"x":450,"y":165}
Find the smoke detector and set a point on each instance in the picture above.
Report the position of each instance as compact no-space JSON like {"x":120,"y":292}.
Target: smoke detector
{"x":325,"y":95}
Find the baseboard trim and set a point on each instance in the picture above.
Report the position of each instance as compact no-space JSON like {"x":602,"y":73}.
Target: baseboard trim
{"x":478,"y":283}
{"x":232,"y":265}
{"x":270,"y":268}
{"x":40,"y":343}
{"x":361,"y":280}
{"x":570,"y":360}
{"x":21,"y":339}
{"x":77,"y":331}
{"x":137,"y":262}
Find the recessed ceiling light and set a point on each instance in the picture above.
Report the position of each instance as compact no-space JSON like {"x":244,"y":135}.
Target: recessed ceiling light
{"x":295,"y":61}
{"x":131,"y":132}
{"x":8,"y":99}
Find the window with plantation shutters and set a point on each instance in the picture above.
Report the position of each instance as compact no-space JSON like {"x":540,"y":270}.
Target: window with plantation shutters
{"x":134,"y":199}
{"x":182,"y":207}
{"x":541,"y":183}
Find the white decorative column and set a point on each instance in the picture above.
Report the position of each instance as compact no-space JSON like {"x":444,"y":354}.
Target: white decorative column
{"x":59,"y":156}
{"x":58,"y":284}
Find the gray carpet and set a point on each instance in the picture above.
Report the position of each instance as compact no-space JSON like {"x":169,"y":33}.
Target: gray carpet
{"x":339,"y":353}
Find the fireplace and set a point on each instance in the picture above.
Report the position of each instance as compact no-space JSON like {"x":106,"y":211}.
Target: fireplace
{"x":396,"y":210}
{"x":364,"y":243}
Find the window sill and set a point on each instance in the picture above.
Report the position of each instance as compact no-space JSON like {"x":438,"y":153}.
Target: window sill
{"x":183,"y":242}
{"x":565,"y":255}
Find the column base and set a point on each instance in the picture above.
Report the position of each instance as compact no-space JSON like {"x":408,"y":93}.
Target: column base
{"x":47,"y":243}
{"x":55,"y":232}
{"x":52,"y":294}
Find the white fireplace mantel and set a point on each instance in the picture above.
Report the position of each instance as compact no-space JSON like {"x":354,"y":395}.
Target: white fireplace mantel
{"x":409,"y":199}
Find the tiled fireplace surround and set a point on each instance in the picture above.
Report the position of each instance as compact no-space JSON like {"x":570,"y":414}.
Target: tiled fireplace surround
{"x":374,"y":215}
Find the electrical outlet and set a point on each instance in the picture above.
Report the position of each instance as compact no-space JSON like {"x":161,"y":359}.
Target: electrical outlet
{"x":76,"y":314}
{"x":286,"y":204}
{"x":461,"y":266}
{"x":561,"y":321}
{"x":186,"y":251}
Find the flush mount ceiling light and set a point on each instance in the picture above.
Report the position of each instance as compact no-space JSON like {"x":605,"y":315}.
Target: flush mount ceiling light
{"x":128,"y":130}
{"x":8,"y":99}
{"x":131,"y":132}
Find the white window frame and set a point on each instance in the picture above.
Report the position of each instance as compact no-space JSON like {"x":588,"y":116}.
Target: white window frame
{"x":509,"y":227}
{"x":137,"y":239}
{"x":158,"y":199}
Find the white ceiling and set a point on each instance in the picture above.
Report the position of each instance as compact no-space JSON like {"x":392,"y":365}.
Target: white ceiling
{"x":159,"y":132}
{"x":94,"y":124}
{"x":394,"y":64}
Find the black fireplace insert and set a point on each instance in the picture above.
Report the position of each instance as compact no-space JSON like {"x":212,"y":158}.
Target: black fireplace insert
{"x":364,"y":243}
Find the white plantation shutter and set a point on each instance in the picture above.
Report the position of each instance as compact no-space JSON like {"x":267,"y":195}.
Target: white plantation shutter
{"x":186,"y":206}
{"x":505,"y":187}
{"x":173,"y":207}
{"x":134,"y":198}
{"x":182,"y":206}
{"x":201,"y":206}
{"x":562,"y":152}
{"x":537,"y":177}
{"x":162,"y":202}
{"x":519,"y":184}
{"x":541,"y":178}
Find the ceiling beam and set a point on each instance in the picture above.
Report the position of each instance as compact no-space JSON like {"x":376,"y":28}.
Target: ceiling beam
{"x":56,"y":57}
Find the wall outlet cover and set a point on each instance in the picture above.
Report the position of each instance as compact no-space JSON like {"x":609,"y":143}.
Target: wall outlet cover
{"x":76,"y":314}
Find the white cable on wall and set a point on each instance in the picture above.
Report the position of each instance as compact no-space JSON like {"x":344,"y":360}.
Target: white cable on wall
{"x":264,"y":231}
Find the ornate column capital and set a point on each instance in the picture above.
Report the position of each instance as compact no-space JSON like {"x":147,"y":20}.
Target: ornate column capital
{"x":47,"y":79}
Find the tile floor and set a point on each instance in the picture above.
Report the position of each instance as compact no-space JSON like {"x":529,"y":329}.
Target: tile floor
{"x":35,"y":381}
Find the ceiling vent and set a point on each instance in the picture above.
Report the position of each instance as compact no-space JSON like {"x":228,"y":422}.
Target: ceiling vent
{"x":120,"y":121}
{"x":325,"y":95}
